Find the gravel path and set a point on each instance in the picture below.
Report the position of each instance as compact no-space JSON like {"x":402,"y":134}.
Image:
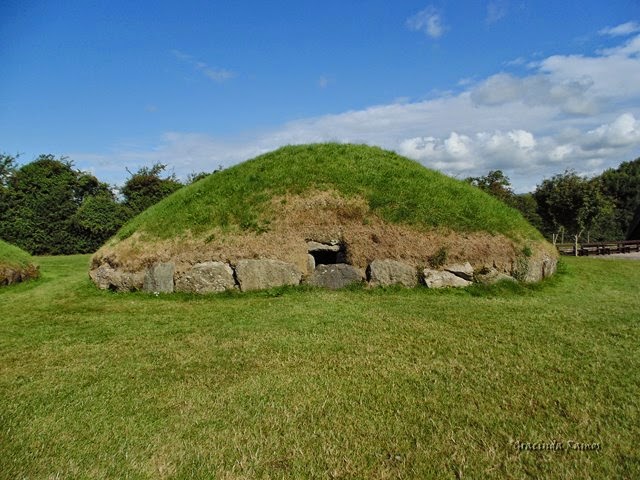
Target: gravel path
{"x":627,"y":256}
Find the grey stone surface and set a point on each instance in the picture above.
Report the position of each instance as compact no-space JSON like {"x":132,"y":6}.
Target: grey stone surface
{"x":462,"y":270}
{"x":549,"y":267}
{"x":159,"y":278}
{"x":494,"y":276}
{"x":391,"y":272}
{"x":312,"y":246}
{"x":101,"y":276}
{"x":311,"y":264}
{"x":207,"y":277}
{"x":107,"y":278}
{"x":532,"y":270}
{"x":334,"y":276}
{"x":263,"y":274}
{"x":442,"y":278}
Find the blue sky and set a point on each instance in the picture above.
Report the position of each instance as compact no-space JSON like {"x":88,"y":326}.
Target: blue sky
{"x":529,"y":87}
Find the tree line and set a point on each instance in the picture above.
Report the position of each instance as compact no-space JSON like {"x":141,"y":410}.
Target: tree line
{"x":569,"y":207}
{"x":48,"y":207}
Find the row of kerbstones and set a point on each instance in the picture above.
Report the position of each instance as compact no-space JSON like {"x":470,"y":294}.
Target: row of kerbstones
{"x":209,"y":277}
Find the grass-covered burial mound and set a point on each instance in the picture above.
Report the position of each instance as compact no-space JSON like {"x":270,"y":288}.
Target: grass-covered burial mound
{"x":326,"y":215}
{"x":16,"y":265}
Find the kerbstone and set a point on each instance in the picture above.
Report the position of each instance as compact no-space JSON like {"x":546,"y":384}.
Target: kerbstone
{"x":335,"y":276}
{"x":206,"y":277}
{"x":107,"y":278}
{"x":462,"y":270}
{"x":442,"y":278}
{"x":159,"y":278}
{"x":266,"y":273}
{"x":391,"y":272}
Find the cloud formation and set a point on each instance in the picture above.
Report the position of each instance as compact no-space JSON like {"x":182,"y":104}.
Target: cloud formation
{"x":621,"y":30}
{"x":570,"y":111}
{"x":428,"y":21}
{"x":496,"y":11}
{"x":218,"y":75}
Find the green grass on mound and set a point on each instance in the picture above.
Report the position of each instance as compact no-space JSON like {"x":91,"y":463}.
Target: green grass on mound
{"x":398,"y":189}
{"x":376,"y":384}
{"x":12,"y":256}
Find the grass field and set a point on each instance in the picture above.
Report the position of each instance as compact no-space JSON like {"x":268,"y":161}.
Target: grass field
{"x":321,"y":384}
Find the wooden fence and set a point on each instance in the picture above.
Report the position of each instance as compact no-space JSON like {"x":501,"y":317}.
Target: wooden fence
{"x":599,"y":248}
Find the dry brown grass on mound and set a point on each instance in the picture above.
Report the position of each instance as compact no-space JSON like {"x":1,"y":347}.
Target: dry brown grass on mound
{"x":14,"y":274}
{"x":321,"y":216}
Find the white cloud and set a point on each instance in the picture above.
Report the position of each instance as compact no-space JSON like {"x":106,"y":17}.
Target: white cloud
{"x":623,"y":29}
{"x":496,"y":10}
{"x":611,"y":73}
{"x":570,"y":94}
{"x":623,"y":132}
{"x":571,"y":111}
{"x":428,"y":21}
{"x":216,"y":74}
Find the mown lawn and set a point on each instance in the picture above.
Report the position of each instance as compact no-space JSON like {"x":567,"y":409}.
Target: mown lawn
{"x":318,"y":384}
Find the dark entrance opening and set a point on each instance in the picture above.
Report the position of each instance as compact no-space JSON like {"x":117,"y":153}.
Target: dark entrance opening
{"x":328,"y":254}
{"x":325,"y":257}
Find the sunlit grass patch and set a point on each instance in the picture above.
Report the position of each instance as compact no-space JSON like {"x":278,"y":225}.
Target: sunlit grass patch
{"x":306,"y":383}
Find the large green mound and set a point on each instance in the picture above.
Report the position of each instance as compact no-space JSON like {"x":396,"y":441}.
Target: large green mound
{"x":397,"y":189}
{"x":312,"y":206}
{"x":15,"y":264}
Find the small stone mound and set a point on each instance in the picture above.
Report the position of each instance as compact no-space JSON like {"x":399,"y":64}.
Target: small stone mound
{"x":13,"y":274}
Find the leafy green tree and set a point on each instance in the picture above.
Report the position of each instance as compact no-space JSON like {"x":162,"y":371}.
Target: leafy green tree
{"x":622,"y":185}
{"x":7,"y":168}
{"x":97,"y":219}
{"x":495,"y":183}
{"x":528,"y":206}
{"x":571,"y":204}
{"x":40,"y":203}
{"x":147,"y":187}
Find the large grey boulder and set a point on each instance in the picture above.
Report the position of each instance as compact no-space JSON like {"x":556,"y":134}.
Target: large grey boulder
{"x":535,"y":269}
{"x":391,"y":272}
{"x":107,"y":278}
{"x":462,"y":270}
{"x":442,"y":278}
{"x":336,"y":275}
{"x":549,"y":266}
{"x":207,"y":277}
{"x":159,"y":278}
{"x":263,"y":274}
{"x":494,"y":276}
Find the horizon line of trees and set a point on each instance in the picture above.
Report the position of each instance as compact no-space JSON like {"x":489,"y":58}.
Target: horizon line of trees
{"x":569,"y":206}
{"x":48,"y":207}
